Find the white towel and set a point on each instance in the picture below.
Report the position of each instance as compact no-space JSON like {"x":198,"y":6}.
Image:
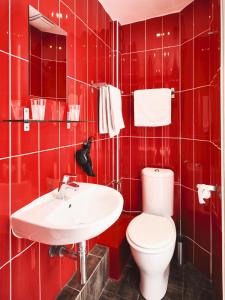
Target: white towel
{"x":110,"y":111}
{"x":152,"y":107}
{"x":116,"y":109}
{"x":103,"y":127}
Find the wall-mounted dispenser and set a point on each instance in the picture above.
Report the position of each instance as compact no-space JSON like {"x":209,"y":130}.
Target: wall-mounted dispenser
{"x":83,"y":157}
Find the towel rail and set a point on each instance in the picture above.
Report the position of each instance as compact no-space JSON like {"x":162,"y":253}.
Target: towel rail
{"x":172,"y":93}
{"x":100,"y":84}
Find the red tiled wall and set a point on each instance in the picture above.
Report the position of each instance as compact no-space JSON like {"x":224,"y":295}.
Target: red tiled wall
{"x":31,"y":163}
{"x":180,"y":51}
{"x":200,"y":131}
{"x":150,"y":58}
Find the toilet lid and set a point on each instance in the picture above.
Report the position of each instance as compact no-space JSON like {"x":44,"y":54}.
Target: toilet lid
{"x":151,"y":232}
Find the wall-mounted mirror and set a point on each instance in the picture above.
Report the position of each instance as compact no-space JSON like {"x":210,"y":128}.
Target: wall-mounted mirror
{"x":48,"y":58}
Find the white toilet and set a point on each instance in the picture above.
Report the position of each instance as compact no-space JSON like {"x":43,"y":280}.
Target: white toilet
{"x":152,"y":234}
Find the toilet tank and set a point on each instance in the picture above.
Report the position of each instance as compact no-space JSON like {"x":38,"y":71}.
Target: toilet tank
{"x":157,"y":191}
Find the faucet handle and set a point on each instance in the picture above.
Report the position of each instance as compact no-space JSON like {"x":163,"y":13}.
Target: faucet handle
{"x":66,"y":178}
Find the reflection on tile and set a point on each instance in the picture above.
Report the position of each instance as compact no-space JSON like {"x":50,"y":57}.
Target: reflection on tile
{"x":92,"y":261}
{"x":99,"y":250}
{"x":97,"y":274}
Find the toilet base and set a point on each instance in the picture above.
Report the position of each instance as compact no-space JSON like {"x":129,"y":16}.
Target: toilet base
{"x":154,"y":287}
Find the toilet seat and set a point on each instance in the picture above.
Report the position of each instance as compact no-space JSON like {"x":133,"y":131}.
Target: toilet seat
{"x":151,"y":233}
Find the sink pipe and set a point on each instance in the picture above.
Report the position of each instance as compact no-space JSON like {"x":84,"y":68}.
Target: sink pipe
{"x":80,"y":255}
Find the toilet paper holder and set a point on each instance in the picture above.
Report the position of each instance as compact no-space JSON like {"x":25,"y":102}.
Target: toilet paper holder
{"x":204,"y":192}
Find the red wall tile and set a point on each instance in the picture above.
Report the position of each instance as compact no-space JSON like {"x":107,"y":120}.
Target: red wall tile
{"x":187,"y":163}
{"x":4,"y":15}
{"x":50,"y":10}
{"x":154,"y":69}
{"x":201,"y":59}
{"x":187,"y":23}
{"x":187,"y":65}
{"x":173,"y":130}
{"x":171,"y":68}
{"x":171,"y":156}
{"x":81,"y":50}
{"x":138,"y":36}
{"x":202,"y":15}
{"x":187,"y":206}
{"x":187,"y":113}
{"x":92,"y":15}
{"x":202,"y":114}
{"x":171,"y":30}
{"x":154,"y":32}
{"x":4,"y":211}
{"x":125,"y":163}
{"x":51,"y":272}
{"x":49,"y":177}
{"x":126,"y":192}
{"x":5,"y":282}
{"x":126,"y":73}
{"x":19,"y":28}
{"x":101,"y":24}
{"x":137,"y":71}
{"x":26,"y":264}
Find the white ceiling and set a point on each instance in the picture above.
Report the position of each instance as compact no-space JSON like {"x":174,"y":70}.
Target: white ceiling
{"x":130,"y":11}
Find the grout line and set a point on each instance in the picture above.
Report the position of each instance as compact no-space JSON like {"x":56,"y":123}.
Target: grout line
{"x":72,"y":288}
{"x":17,"y":255}
{"x":194,"y":242}
{"x":138,"y":179}
{"x":166,"y":47}
{"x":177,"y":92}
{"x":47,"y":59}
{"x":98,"y":140}
{"x":10,"y":153}
{"x":188,"y":188}
{"x":148,"y":50}
{"x":12,"y":55}
{"x":195,"y":36}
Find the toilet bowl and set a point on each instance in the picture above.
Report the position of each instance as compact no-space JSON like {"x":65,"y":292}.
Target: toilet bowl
{"x":152,"y":242}
{"x":152,"y":234}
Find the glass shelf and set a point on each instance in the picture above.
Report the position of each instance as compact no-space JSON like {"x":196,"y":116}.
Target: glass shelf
{"x":46,"y":121}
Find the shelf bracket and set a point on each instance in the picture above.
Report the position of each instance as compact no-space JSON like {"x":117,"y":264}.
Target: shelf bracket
{"x":26,"y":125}
{"x":68,"y":125}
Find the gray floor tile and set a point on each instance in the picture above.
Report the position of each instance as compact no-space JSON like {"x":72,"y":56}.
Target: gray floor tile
{"x":185,"y":283}
{"x":67,"y":294}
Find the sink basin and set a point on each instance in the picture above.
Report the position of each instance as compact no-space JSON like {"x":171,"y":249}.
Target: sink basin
{"x":84,"y":213}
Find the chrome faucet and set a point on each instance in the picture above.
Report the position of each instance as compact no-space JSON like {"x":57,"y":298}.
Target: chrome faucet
{"x":66,"y":183}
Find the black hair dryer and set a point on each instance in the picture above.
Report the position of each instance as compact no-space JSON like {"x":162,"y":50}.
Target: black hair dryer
{"x":83,"y":157}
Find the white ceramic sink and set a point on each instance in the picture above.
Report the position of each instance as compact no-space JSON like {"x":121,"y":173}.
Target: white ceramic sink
{"x":83,"y":214}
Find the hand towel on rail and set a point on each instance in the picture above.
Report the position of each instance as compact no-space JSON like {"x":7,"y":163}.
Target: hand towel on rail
{"x":103,"y":126}
{"x":116,"y":110}
{"x":152,"y":107}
